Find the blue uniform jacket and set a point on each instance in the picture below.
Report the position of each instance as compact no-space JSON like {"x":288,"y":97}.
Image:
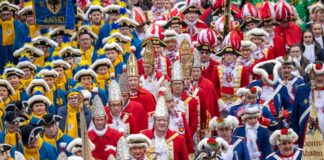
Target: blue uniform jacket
{"x":6,"y":52}
{"x":63,"y":113}
{"x":275,"y":155}
{"x":300,"y":111}
{"x":59,"y":99}
{"x":3,"y":135}
{"x":138,"y":44}
{"x":263,"y":135}
{"x":103,"y":33}
{"x":22,"y":35}
{"x":46,"y":151}
{"x":102,"y":94}
{"x":265,"y":113}
{"x":240,"y":149}
{"x":71,"y":83}
{"x":119,"y":69}
{"x":34,"y":121}
{"x":66,"y":139}
{"x":281,"y":99}
{"x":299,"y":81}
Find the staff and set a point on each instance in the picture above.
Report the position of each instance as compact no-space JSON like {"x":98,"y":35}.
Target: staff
{"x":86,"y":154}
{"x":227,"y":17}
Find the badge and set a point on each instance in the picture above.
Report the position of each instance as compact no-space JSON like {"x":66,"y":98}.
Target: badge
{"x":54,"y":5}
{"x":305,"y":101}
{"x":181,"y":129}
{"x":70,"y":127}
{"x":9,"y":32}
{"x":59,"y":101}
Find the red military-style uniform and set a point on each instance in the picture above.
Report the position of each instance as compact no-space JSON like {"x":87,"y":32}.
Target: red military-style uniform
{"x":248,"y":64}
{"x":194,"y":29}
{"x":286,"y":37}
{"x":198,"y":94}
{"x":127,"y":123}
{"x":229,"y":79}
{"x":263,"y":53}
{"x":190,"y":109}
{"x":145,"y":98}
{"x":179,"y":124}
{"x":106,"y":144}
{"x":211,"y":95}
{"x":137,"y":110}
{"x":176,"y":145}
{"x":209,"y":72}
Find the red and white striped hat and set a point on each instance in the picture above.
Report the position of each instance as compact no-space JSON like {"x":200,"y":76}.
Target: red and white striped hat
{"x":267,"y":11}
{"x":217,"y":3}
{"x":176,"y":12}
{"x":233,"y":39}
{"x":249,"y":10}
{"x":207,"y":36}
{"x":155,"y":31}
{"x":196,"y":3}
{"x":219,"y":24}
{"x":138,"y":15}
{"x":284,"y":12}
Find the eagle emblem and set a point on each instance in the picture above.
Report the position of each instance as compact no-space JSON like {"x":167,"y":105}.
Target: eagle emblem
{"x":313,"y":125}
{"x":54,"y":5}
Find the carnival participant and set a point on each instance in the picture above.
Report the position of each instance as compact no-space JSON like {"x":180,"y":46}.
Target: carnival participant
{"x":284,"y":139}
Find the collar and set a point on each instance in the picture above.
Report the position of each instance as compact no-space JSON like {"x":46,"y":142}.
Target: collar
{"x":205,"y":64}
{"x":308,"y":45}
{"x":151,"y":77}
{"x":18,"y":87}
{"x":229,"y":65}
{"x":89,"y":50}
{"x":247,"y":126}
{"x":290,"y":155}
{"x":102,"y":132}
{"x":191,"y":24}
{"x":163,"y":137}
{"x":154,"y":9}
{"x":73,"y":109}
{"x":133,"y":95}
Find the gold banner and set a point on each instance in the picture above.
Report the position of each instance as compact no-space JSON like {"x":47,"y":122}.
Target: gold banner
{"x":313,"y":142}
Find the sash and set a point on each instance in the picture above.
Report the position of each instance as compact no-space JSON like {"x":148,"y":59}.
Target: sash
{"x":272,"y":95}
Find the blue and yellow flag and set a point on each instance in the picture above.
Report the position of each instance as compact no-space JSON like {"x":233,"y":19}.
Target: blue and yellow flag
{"x":54,"y":12}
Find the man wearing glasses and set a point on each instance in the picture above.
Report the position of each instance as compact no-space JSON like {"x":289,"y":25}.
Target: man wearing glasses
{"x":71,"y":114}
{"x":86,"y":37}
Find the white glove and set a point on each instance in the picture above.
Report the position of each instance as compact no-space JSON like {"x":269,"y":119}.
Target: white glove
{"x":19,"y":156}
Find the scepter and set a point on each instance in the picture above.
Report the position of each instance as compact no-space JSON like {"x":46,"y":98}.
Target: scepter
{"x":227,"y":17}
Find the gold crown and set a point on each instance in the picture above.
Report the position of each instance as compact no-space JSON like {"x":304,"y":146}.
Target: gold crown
{"x":149,"y":54}
{"x":132,"y":68}
{"x":185,"y":48}
{"x":187,"y":65}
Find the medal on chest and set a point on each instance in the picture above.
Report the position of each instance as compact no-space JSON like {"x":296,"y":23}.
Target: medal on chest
{"x":229,"y":77}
